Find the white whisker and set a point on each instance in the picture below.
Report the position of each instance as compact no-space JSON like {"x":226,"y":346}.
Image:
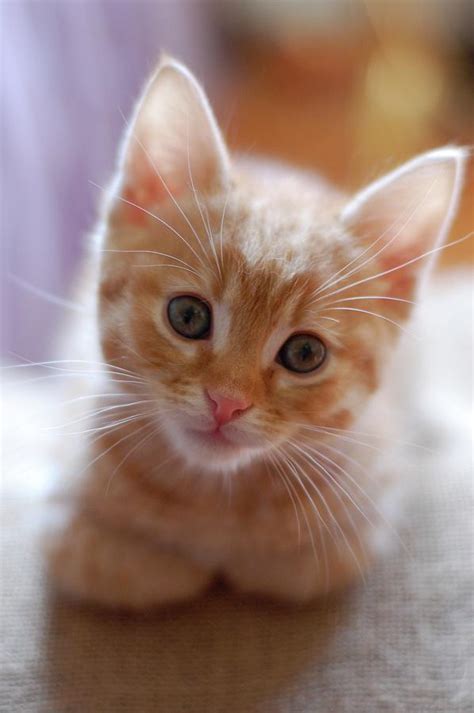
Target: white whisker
{"x":295,"y":468}
{"x":281,"y":474}
{"x":331,"y":319}
{"x":399,"y":267}
{"x":165,"y":186}
{"x":221,"y":236}
{"x":207,"y":228}
{"x":367,"y":497}
{"x":332,"y":516}
{"x":141,"y":442}
{"x":155,"y":217}
{"x":111,"y":368}
{"x":171,"y":266}
{"x":343,"y":437}
{"x":45,"y":295}
{"x":374,"y":314}
{"x":100,"y":411}
{"x":76,"y":375}
{"x":385,"y":245}
{"x":366,"y":434}
{"x":332,"y":482}
{"x":372,"y":297}
{"x":114,"y":445}
{"x":154,"y":252}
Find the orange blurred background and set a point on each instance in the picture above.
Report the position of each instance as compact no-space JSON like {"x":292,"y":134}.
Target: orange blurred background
{"x":352,"y":89}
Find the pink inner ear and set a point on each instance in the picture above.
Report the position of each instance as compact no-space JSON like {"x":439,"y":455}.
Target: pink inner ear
{"x":400,"y":282}
{"x":147,"y":191}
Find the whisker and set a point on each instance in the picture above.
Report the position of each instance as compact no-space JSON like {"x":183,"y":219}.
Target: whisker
{"x":171,"y":266}
{"x":364,"y":494}
{"x":114,"y":426}
{"x":399,"y":267}
{"x":163,"y":463}
{"x":380,"y":436}
{"x":333,"y":518}
{"x":141,"y":442}
{"x":77,"y":375}
{"x":305,"y":515}
{"x":156,"y":217}
{"x":373,"y":297}
{"x":102,"y":429}
{"x":332,"y":482}
{"x":153,"y":252}
{"x":318,"y":429}
{"x":207,"y":228}
{"x":100,"y":411}
{"x":133,"y":351}
{"x":309,"y":449}
{"x":165,"y":186}
{"x":273,"y":461}
{"x":114,"y":445}
{"x":53,"y":365}
{"x":295,"y":468}
{"x":45,"y":295}
{"x":222,"y":226}
{"x":348,"y":458}
{"x":332,"y":319}
{"x":106,"y":395}
{"x":375,"y":314}
{"x":388,"y":243}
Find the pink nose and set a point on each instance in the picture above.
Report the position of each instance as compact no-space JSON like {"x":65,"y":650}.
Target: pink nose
{"x":226,"y":409}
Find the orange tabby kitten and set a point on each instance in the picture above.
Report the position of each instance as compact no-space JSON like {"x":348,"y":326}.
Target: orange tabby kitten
{"x":246,"y":316}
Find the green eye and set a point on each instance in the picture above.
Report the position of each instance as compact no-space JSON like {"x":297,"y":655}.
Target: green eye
{"x":302,"y":353}
{"x":190,"y":317}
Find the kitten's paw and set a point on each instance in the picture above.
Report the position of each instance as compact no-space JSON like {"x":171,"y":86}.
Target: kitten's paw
{"x":298,"y":579}
{"x":89,"y":562}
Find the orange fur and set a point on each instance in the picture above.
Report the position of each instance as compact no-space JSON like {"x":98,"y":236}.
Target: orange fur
{"x":162,"y":511}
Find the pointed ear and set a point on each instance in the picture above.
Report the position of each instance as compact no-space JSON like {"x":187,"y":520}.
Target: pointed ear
{"x":408,"y":213}
{"x":173,"y":144}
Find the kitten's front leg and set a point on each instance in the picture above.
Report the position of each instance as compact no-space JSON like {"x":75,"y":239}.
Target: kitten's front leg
{"x":93,"y":563}
{"x":299,"y":577}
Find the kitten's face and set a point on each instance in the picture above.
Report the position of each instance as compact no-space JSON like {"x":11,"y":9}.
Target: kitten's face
{"x":257,"y":338}
{"x":219,"y":290}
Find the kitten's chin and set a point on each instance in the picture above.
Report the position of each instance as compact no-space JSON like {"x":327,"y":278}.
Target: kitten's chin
{"x":211,"y":450}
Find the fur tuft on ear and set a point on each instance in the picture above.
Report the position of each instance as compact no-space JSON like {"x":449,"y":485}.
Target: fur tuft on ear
{"x":173,"y":144}
{"x":408,"y":212}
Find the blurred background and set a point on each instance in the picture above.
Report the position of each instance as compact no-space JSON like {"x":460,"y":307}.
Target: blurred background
{"x":347,"y":87}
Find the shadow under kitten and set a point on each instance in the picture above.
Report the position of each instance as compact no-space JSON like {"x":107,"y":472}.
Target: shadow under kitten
{"x":220,"y":653}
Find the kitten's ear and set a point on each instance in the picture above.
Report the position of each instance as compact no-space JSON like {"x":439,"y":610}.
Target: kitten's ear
{"x":173,"y":142}
{"x":408,"y":213}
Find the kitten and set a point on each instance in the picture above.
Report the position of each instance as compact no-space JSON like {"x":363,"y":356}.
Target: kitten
{"x":247,"y":320}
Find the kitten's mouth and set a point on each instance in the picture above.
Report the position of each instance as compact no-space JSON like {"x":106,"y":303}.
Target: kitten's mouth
{"x":214,"y":438}
{"x":214,"y":448}
{"x":218,"y":440}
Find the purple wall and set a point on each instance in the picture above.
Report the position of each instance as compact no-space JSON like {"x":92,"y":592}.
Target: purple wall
{"x":68,"y":69}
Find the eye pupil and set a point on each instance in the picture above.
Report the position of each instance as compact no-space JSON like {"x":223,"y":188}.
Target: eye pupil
{"x":302,"y":353}
{"x":190,"y":316}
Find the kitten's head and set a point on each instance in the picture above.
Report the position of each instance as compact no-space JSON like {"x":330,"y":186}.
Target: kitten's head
{"x":257,"y":302}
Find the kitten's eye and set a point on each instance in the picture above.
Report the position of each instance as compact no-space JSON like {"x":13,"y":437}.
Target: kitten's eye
{"x":302,"y":353}
{"x":190,"y":317}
